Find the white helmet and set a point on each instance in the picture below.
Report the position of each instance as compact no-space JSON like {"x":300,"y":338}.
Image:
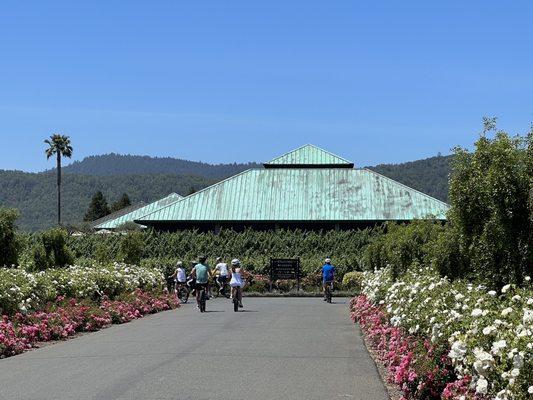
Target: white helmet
{"x":235,"y":261}
{"x":327,"y":260}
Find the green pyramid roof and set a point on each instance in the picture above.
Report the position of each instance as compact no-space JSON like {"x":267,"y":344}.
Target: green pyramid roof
{"x":139,"y":212}
{"x":309,"y":156}
{"x":302,"y":194}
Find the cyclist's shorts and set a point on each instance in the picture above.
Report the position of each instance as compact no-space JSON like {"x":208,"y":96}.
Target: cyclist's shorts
{"x":325,"y":282}
{"x":200,"y":286}
{"x":222,"y":279}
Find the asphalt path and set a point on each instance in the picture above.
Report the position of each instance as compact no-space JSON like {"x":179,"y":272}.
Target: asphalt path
{"x":277,"y":348}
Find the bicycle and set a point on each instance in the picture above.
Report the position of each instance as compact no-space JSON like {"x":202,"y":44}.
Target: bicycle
{"x":237,"y":296}
{"x":202,"y":297}
{"x":183,"y":292}
{"x":328,"y":293}
{"x":223,"y":289}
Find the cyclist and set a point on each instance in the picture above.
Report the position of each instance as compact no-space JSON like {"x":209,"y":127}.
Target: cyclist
{"x":201,"y":273}
{"x":179,"y":276}
{"x":236,"y":282}
{"x":221,"y":272}
{"x":328,"y":275}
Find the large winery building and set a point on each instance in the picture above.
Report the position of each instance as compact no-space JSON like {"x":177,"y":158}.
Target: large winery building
{"x":306,"y":188}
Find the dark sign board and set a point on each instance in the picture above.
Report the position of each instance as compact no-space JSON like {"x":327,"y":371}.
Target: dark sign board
{"x":285,"y":268}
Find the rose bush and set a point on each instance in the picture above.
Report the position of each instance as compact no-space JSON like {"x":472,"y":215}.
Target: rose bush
{"x":23,"y":291}
{"x":64,"y":317}
{"x":458,"y":338}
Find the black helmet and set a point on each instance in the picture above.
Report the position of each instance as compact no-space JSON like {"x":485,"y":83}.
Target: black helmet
{"x":202,"y":259}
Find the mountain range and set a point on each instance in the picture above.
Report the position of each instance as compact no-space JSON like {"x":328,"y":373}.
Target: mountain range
{"x":146,"y":179}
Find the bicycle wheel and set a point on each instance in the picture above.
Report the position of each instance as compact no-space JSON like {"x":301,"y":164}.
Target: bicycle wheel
{"x":183,"y":295}
{"x":226,"y":291}
{"x":202,"y":300}
{"x":236,"y":303}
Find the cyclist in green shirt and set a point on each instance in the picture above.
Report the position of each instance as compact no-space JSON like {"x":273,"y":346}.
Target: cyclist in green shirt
{"x":201,"y":273}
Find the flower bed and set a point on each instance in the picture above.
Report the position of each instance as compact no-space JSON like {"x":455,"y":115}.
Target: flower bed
{"x":450,"y":340}
{"x":21,"y":291}
{"x":67,"y":316}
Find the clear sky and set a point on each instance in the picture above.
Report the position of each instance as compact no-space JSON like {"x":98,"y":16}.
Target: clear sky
{"x":224,"y":81}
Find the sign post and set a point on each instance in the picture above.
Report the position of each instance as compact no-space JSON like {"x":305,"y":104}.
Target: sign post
{"x":285,"y":268}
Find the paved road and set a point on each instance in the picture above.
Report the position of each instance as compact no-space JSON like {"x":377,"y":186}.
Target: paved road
{"x":279,"y":348}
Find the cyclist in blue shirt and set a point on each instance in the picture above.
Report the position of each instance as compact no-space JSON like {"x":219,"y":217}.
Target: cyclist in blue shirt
{"x":328,"y":275}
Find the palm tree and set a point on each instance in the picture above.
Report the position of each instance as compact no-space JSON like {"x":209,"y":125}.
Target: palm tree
{"x":60,"y":146}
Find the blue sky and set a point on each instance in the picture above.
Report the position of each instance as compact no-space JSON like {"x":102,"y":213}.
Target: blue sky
{"x":224,"y":81}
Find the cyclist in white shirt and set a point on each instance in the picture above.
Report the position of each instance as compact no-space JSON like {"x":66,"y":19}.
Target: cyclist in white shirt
{"x":236,"y":281}
{"x":221,"y":272}
{"x":179,"y":275}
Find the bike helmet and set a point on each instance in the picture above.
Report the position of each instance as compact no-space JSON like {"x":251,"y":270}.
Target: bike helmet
{"x":179,"y":264}
{"x":202,"y":259}
{"x":327,"y":260}
{"x":219,"y":259}
{"x":235,"y":261}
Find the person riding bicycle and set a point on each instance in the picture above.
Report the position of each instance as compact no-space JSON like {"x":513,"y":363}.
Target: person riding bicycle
{"x":236,"y":282}
{"x":221,"y":272}
{"x":328,"y":275}
{"x":201,"y":273}
{"x":179,"y":275}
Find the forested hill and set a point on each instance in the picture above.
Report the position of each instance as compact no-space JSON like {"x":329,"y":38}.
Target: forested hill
{"x":429,"y":176}
{"x":34,"y":194}
{"x":117,"y":164}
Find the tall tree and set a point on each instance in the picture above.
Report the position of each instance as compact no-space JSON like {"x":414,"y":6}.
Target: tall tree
{"x":59,"y":145}
{"x":490,"y":193}
{"x":123,"y":202}
{"x":98,"y":207}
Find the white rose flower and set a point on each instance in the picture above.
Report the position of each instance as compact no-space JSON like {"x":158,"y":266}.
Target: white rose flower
{"x":498,"y":346}
{"x":482,"y":386}
{"x":492,"y":293}
{"x":489,"y":330}
{"x":515,"y":372}
{"x":483,"y":362}
{"x":506,"y":311}
{"x":528,"y":317}
{"x":506,"y":288}
{"x":476,"y":312}
{"x":518,"y":361}
{"x":458,"y":350}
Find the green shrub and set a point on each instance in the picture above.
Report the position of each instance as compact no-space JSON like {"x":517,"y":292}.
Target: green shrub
{"x":402,"y":245}
{"x":312,"y":282}
{"x":492,"y":209}
{"x":131,"y":247}
{"x":353,"y":281}
{"x":41,"y":260}
{"x":9,"y":242}
{"x":49,"y":250}
{"x":167,"y":265}
{"x":55,"y":244}
{"x":257,"y":286}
